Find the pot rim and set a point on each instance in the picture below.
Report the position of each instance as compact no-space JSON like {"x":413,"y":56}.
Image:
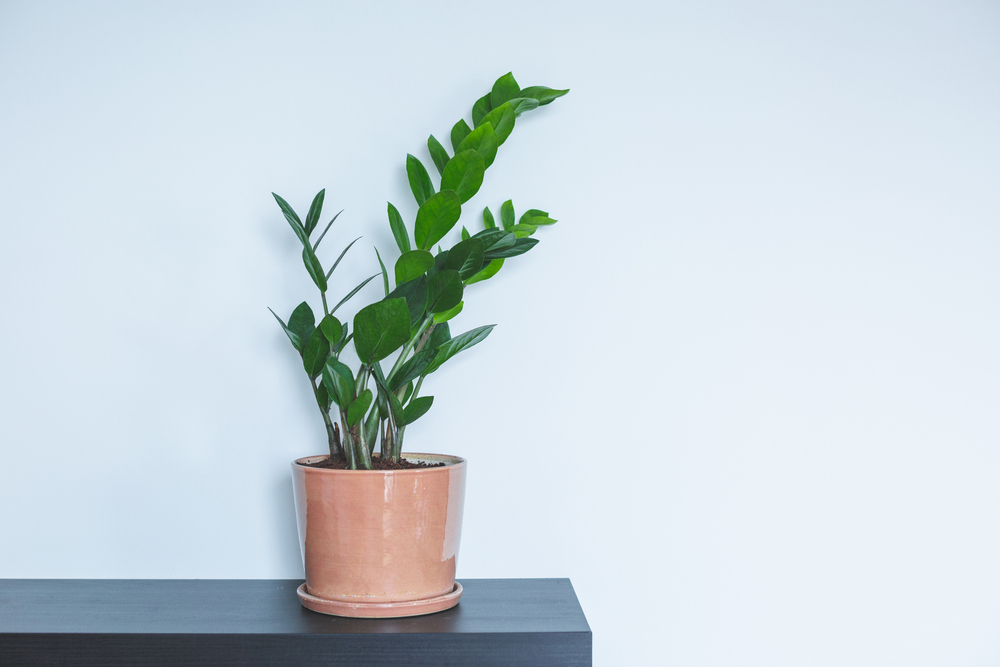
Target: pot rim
{"x":455,"y":462}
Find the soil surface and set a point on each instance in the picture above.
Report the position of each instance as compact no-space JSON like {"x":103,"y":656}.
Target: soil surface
{"x":340,"y":463}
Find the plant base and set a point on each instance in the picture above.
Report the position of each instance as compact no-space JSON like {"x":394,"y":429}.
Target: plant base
{"x":380,"y":609}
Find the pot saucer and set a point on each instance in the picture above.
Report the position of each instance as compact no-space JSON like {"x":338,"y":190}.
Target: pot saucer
{"x":380,"y":609}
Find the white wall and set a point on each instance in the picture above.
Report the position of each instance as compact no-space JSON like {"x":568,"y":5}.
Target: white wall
{"x":746,"y":393}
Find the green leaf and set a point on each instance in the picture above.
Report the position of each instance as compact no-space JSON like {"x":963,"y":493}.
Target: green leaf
{"x":441,"y":318}
{"x":459,"y":132}
{"x":315,"y":353}
{"x":411,"y":369}
{"x":415,"y":294}
{"x":438,"y":153}
{"x":458,"y":344}
{"x":522,"y":104}
{"x":416,"y":409}
{"x":358,"y":407}
{"x":491,"y":270}
{"x":396,"y":408}
{"x":371,"y":429}
{"x":292,"y":336}
{"x":293,"y":219}
{"x":444,"y":291}
{"x":504,"y":89}
{"x":380,"y":329}
{"x":411,"y":265}
{"x":352,"y":293}
{"x":521,"y":230}
{"x":483,"y":140}
{"x":339,"y":381}
{"x":488,"y":221}
{"x":314,"y":212}
{"x":520,"y":247}
{"x":502,"y":120}
{"x":532,"y":213}
{"x":536,"y":220}
{"x":398,"y":229}
{"x":332,"y":329}
{"x":495,"y":239}
{"x":302,"y":322}
{"x":464,"y":175}
{"x":440,"y":334}
{"x":314,"y":268}
{"x":542,"y":94}
{"x":385,"y":274}
{"x":328,"y":225}
{"x":436,"y":217}
{"x":466,"y":258}
{"x":465,"y":234}
{"x":420,"y":182}
{"x":507,"y":214}
{"x":481,"y":108}
{"x":323,"y":396}
{"x":342,"y":253}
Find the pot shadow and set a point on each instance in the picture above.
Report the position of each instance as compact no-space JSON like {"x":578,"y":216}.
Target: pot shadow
{"x":289,"y":553}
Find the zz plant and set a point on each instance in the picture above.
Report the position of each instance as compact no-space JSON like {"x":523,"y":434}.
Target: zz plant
{"x":411,"y":320}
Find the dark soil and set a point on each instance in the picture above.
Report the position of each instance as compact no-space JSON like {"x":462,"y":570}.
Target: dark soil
{"x":340,"y":463}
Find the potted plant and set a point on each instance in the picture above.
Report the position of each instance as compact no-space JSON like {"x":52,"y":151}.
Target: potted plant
{"x":380,"y":531}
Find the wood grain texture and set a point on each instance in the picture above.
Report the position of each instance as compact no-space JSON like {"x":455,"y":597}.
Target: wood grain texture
{"x":260,"y":622}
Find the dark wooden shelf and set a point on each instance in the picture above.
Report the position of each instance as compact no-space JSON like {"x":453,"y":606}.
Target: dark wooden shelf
{"x":154,"y":622}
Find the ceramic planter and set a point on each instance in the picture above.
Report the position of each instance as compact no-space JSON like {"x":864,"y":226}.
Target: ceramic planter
{"x":380,"y":543}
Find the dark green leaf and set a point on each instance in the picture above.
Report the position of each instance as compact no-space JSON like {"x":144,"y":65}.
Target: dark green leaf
{"x":398,"y":229}
{"x":420,"y":182}
{"x":436,"y":217}
{"x":315,"y":353}
{"x":438,"y":153}
{"x":441,"y":318}
{"x":302,"y":322}
{"x":352,"y":293}
{"x":411,"y":369}
{"x":502,"y":120}
{"x":312,"y":219}
{"x":488,"y":221}
{"x":465,"y":234}
{"x":385,"y":274}
{"x":358,"y":407}
{"x":380,"y":329}
{"x":483,"y":140}
{"x":293,"y":220}
{"x":458,"y":344}
{"x":415,"y":293}
{"x":520,"y":247}
{"x":466,"y":258}
{"x":328,"y":225}
{"x":323,"y":397}
{"x":459,"y":132}
{"x":491,"y":270}
{"x":396,"y":408}
{"x":542,"y":94}
{"x":314,"y":268}
{"x":480,"y":109}
{"x":292,"y":336}
{"x":371,"y":429}
{"x":343,"y":252}
{"x":411,"y":265}
{"x":416,"y":409}
{"x":444,"y":291}
{"x":507,"y":214}
{"x":440,"y":334}
{"x":504,"y":89}
{"x":463,"y":175}
{"x":332,"y":329}
{"x":495,"y":239}
{"x":339,"y":382}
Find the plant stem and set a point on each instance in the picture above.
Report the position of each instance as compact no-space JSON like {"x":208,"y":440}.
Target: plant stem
{"x":409,"y":345}
{"x":326,"y":310}
{"x":330,"y":433}
{"x":398,"y":443}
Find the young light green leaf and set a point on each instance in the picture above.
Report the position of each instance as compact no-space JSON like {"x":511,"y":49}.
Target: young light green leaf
{"x":352,"y":293}
{"x":385,"y":274}
{"x":488,"y":272}
{"x":536,"y":220}
{"x":483,"y":140}
{"x":416,"y":409}
{"x":458,"y":133}
{"x":342,"y":253}
{"x":466,"y":257}
{"x":507,"y":214}
{"x":465,"y":234}
{"x":411,"y":265}
{"x":504,"y":89}
{"x":314,"y":268}
{"x":312,"y":219}
{"x":481,"y":108}
{"x":520,"y":247}
{"x":315,"y":353}
{"x":328,"y":225}
{"x":463,"y":175}
{"x":532,"y":212}
{"x":292,"y":336}
{"x":441,"y":318}
{"x":332,"y":329}
{"x":415,"y":294}
{"x":438,"y":153}
{"x":522,"y":104}
{"x":502,"y":120}
{"x":293,"y":219}
{"x":420,"y":182}
{"x":339,"y":381}
{"x":488,"y":221}
{"x":522,"y":230}
{"x":398,"y":229}
{"x":436,"y":217}
{"x":444,"y":291}
{"x":380,"y":329}
{"x":542,"y":94}
{"x":358,"y":407}
{"x":457,"y":344}
{"x":411,"y":369}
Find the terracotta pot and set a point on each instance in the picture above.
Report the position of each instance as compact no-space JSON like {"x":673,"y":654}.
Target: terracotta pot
{"x":380,"y":543}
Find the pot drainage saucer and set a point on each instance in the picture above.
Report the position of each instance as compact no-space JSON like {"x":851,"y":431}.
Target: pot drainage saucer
{"x":380,"y":609}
